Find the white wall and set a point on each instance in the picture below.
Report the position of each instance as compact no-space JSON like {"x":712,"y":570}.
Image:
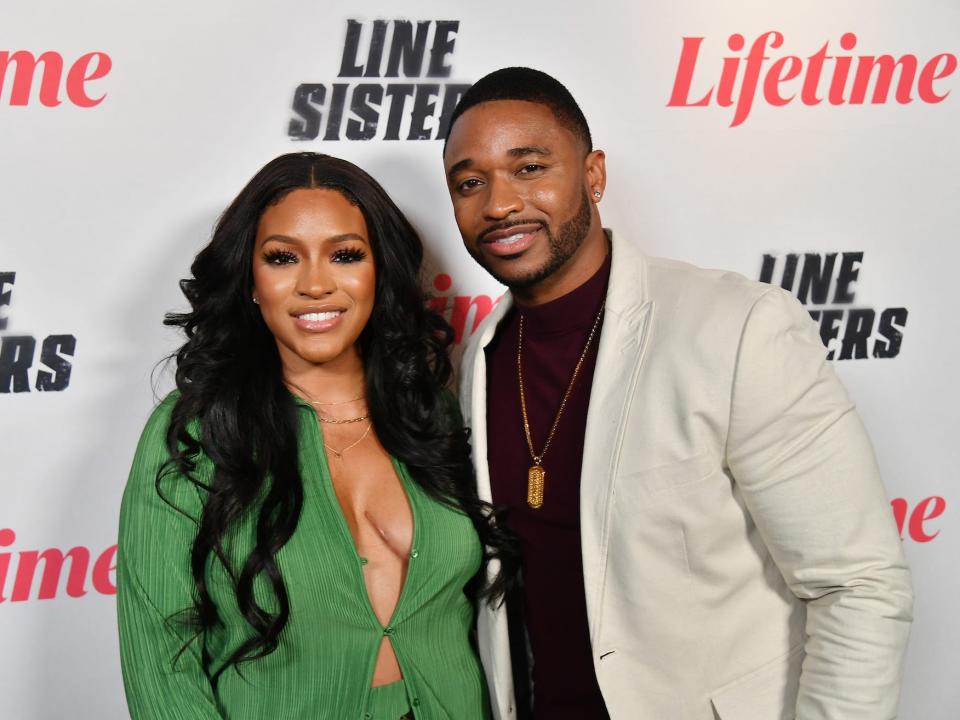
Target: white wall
{"x":103,"y":207}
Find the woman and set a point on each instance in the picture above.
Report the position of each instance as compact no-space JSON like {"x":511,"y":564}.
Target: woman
{"x":300,"y":521}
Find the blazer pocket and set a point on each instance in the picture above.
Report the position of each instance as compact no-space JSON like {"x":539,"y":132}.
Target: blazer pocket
{"x":664,"y":481}
{"x":767,"y":693}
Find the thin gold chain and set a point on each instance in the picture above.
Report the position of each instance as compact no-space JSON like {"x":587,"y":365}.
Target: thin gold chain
{"x":306,"y":396}
{"x":345,"y":421}
{"x":339,"y":453}
{"x":538,"y":459}
{"x":320,"y":403}
{"x":339,"y":402}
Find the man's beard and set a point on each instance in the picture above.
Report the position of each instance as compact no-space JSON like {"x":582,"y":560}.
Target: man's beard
{"x":562,"y":247}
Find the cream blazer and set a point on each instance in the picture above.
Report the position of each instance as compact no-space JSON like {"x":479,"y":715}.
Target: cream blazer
{"x":740,"y":557}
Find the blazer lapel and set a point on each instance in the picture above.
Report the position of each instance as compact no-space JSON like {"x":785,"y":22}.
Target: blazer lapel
{"x":492,"y":629}
{"x":473,"y":396}
{"x":626,"y":329}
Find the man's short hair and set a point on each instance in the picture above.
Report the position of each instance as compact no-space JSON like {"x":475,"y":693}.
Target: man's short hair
{"x":523,"y":83}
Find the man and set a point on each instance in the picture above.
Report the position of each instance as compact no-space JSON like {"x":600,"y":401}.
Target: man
{"x":701,"y":522}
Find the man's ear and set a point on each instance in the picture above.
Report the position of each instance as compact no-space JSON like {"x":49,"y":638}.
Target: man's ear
{"x":595,"y":171}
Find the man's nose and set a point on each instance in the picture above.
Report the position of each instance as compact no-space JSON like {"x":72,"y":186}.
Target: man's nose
{"x":502,"y":199}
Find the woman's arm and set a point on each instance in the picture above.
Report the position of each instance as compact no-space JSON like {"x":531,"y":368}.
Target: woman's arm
{"x":160,"y":653}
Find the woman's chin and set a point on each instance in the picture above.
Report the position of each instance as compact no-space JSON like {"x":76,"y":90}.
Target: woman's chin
{"x":320,"y":353}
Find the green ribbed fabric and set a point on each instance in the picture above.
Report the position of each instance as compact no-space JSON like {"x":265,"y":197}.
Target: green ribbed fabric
{"x":324,"y":663}
{"x":388,"y":702}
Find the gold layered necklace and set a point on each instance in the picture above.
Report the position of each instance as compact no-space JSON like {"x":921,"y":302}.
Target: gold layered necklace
{"x":316,"y":404}
{"x":334,"y":421}
{"x":536,"y":475}
{"x":339,"y":453}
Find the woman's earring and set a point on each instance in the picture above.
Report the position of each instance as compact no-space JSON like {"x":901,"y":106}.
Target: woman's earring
{"x":255,"y":301}
{"x":596,"y":194}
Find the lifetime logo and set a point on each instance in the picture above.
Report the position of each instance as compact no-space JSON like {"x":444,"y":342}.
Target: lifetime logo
{"x":912,"y":523}
{"x":102,"y":574}
{"x":463,"y":312}
{"x":18,"y":70}
{"x":790,"y":77}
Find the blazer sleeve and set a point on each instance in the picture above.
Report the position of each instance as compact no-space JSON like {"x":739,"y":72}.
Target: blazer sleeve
{"x":804,"y":464}
{"x":154,"y":586}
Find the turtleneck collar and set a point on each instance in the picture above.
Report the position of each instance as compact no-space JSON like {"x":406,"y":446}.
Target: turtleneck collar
{"x":571,"y":312}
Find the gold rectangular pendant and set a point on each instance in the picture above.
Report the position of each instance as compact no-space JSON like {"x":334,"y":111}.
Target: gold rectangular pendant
{"x":536,"y":476}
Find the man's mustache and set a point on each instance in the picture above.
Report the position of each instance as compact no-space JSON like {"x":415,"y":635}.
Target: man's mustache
{"x":506,"y":226}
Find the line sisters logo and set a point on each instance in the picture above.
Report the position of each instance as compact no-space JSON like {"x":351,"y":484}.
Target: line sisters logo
{"x":85,"y":69}
{"x":848,"y":332}
{"x":364,"y":109}
{"x":837,"y":77}
{"x":18,"y":353}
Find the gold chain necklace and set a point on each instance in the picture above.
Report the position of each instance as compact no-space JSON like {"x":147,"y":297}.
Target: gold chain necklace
{"x":345,"y":421}
{"x":339,"y":402}
{"x":536,"y":475}
{"x":339,"y":453}
{"x":333,"y":421}
{"x":318,"y":404}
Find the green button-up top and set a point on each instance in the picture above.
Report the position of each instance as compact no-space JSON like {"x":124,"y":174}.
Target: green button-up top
{"x":324,"y":663}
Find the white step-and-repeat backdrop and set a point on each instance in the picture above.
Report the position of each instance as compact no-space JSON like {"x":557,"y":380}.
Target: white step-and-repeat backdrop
{"x":808,"y":144}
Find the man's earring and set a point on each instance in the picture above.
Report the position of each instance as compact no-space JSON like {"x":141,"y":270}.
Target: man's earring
{"x":596,"y":194}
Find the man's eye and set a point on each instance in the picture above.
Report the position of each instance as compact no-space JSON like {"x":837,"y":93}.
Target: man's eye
{"x":532,"y":167}
{"x":469,"y":184}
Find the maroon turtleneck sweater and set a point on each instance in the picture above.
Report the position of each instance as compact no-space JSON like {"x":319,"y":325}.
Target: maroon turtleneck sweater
{"x":553,"y":604}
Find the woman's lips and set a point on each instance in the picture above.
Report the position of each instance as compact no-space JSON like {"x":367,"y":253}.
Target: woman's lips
{"x":318,"y":321}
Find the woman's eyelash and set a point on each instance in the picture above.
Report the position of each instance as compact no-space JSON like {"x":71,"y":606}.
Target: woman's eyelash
{"x":348,"y":255}
{"x":343,"y":255}
{"x":279,"y":257}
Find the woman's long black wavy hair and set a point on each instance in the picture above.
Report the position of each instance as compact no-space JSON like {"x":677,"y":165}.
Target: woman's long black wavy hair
{"x":234,"y":407}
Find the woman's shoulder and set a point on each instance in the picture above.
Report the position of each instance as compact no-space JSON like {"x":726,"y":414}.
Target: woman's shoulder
{"x":153,"y":438}
{"x":158,"y":423}
{"x":159,"y":418}
{"x":152,"y":457}
{"x":160,"y":506}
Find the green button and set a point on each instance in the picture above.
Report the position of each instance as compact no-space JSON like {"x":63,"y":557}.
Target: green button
{"x":416,"y":702}
{"x":414,"y":553}
{"x":388,"y":630}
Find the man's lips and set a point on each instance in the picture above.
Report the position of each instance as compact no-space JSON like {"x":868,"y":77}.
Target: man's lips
{"x":510,"y":240}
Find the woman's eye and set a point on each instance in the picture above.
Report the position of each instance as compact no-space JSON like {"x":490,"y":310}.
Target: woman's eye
{"x":349,"y":255}
{"x":280,"y":257}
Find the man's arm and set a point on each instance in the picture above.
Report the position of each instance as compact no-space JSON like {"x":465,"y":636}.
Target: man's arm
{"x":807,"y":472}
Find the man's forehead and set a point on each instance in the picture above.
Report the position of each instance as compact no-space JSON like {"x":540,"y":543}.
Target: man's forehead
{"x":502,"y":127}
